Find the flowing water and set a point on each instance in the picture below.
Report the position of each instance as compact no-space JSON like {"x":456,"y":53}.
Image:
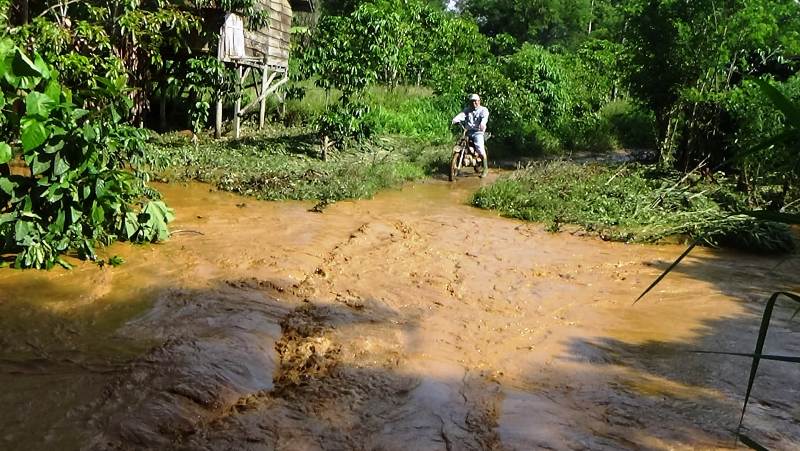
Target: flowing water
{"x":409,"y":321}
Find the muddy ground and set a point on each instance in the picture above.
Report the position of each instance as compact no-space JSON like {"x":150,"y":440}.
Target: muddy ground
{"x":410,"y":321}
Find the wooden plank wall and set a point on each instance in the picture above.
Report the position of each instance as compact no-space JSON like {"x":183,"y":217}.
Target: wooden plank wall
{"x":272,"y":42}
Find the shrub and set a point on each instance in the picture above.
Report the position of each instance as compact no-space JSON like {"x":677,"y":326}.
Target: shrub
{"x":631,"y":126}
{"x":77,"y":192}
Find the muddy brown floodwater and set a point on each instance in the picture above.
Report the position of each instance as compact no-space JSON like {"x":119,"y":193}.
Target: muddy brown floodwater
{"x":410,"y":321}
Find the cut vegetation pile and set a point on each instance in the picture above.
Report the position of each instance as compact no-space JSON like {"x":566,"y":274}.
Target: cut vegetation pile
{"x":283,"y":163}
{"x":633,"y":204}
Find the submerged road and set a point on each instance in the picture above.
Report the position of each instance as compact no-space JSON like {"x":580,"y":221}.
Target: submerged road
{"x":409,"y":321}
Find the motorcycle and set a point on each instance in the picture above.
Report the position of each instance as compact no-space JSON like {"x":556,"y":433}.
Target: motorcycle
{"x":465,"y":155}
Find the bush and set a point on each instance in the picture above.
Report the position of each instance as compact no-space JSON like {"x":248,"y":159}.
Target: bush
{"x":631,"y":126}
{"x":410,"y":111}
{"x":77,"y":191}
{"x":542,"y":102}
{"x":769,"y":172}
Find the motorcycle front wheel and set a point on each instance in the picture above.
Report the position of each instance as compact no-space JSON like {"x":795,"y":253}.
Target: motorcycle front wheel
{"x":455,"y":165}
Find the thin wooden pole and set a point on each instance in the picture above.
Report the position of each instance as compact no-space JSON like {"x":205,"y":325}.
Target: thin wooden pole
{"x":238,"y":104}
{"x":218,"y":122}
{"x":263,"y":109}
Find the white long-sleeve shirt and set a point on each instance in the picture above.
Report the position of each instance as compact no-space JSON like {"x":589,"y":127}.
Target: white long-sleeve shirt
{"x":474,"y":118}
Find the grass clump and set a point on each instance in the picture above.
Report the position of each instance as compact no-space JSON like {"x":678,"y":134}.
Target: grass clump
{"x":631,"y":204}
{"x":283,"y":163}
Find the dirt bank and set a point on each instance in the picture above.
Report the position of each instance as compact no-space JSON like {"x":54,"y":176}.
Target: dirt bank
{"x":410,"y":321}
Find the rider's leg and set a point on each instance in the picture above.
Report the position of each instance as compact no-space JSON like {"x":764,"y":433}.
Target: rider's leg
{"x":480,"y":147}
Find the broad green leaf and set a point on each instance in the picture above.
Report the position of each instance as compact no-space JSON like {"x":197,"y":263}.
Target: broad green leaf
{"x":27,"y":206}
{"x":53,"y":90}
{"x":22,"y":229}
{"x":54,"y":193}
{"x":58,"y":225}
{"x":41,"y":65}
{"x":7,"y":186}
{"x":54,"y":148}
{"x":100,"y":188}
{"x":88,"y":132}
{"x":38,"y":104}
{"x":7,"y":217}
{"x":781,"y":102}
{"x":23,"y":66}
{"x":6,"y":58}
{"x":131,"y":225}
{"x":34,"y":133}
{"x":5,"y":153}
{"x":98,"y":214}
{"x":79,"y":113}
{"x":61,"y":166}
{"x":39,"y":167}
{"x":75,"y":214}
{"x":6,"y":48}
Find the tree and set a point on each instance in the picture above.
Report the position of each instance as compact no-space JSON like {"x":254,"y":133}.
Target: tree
{"x":544,"y":22}
{"x":685,"y":57}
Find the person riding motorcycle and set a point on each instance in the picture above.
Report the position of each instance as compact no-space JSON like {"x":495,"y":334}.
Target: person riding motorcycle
{"x":474,"y":118}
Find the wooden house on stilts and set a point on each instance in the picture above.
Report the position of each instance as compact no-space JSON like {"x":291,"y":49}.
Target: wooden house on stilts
{"x":262,"y":54}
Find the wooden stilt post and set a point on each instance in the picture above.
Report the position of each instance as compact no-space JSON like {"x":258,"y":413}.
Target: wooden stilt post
{"x":263,"y":110}
{"x":218,"y":121}
{"x":282,"y":98}
{"x":238,"y":104}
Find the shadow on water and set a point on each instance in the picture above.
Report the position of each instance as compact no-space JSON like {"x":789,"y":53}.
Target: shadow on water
{"x":704,"y":390}
{"x":242,"y":365}
{"x":249,"y":365}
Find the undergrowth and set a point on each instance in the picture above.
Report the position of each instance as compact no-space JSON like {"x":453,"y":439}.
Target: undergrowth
{"x":283,"y":163}
{"x":631,"y":204}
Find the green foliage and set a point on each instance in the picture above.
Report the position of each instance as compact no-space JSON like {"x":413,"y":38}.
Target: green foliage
{"x":410,"y":111}
{"x":541,"y":101}
{"x":685,"y":57}
{"x":766,"y":137}
{"x":545,"y":22}
{"x":346,"y":121}
{"x":383,"y":41}
{"x":201,"y":79}
{"x":630,"y":204}
{"x":75,"y":192}
{"x":109,"y":39}
{"x":632,"y":127}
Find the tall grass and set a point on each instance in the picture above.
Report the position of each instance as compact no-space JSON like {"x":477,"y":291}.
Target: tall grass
{"x":409,"y":111}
